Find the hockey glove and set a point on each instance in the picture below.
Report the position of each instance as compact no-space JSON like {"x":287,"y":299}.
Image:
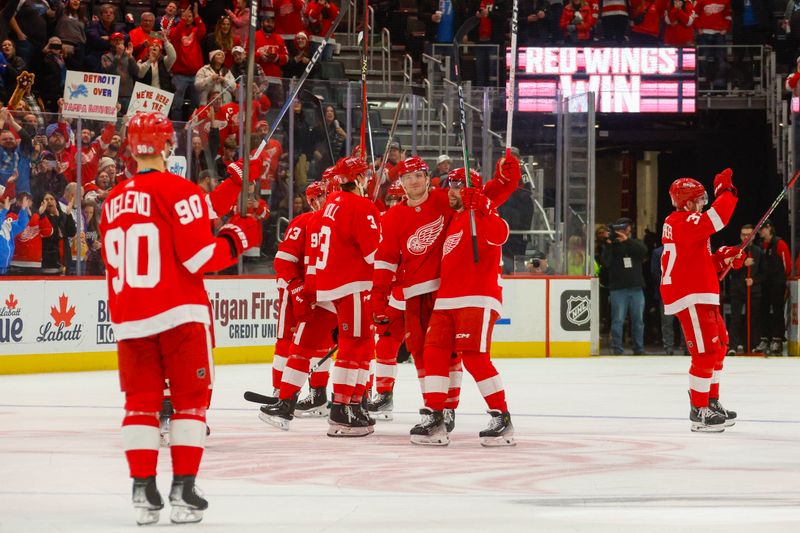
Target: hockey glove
{"x":731,"y":254}
{"x":301,"y":304}
{"x":507,"y":170}
{"x":236,"y":170}
{"x":241,"y":233}
{"x":723,"y":182}
{"x":379,"y":302}
{"x":473,"y":198}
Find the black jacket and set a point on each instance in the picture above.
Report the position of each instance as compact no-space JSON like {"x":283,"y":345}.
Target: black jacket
{"x":624,"y":263}
{"x":736,"y":278}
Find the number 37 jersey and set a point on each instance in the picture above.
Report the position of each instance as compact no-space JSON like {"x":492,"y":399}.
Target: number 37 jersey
{"x":157,"y":242}
{"x":688,"y":272}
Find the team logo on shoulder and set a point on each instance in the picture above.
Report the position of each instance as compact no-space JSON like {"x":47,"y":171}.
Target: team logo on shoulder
{"x":425,"y":236}
{"x":451,"y":242}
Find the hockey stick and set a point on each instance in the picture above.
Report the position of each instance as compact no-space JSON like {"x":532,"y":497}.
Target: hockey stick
{"x":364,"y":60}
{"x":379,"y":177}
{"x":512,"y":77}
{"x":760,"y":223}
{"x":465,"y":28}
{"x":257,"y":397}
{"x":301,"y":80}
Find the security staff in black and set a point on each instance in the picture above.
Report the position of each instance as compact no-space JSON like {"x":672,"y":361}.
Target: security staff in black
{"x":739,"y":281}
{"x":777,"y":264}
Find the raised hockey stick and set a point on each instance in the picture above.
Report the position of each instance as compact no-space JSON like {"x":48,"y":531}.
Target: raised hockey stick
{"x":302,"y":79}
{"x":364,"y":63}
{"x":379,"y":175}
{"x":465,"y":28}
{"x":257,"y":397}
{"x":512,"y":77}
{"x":760,"y":223}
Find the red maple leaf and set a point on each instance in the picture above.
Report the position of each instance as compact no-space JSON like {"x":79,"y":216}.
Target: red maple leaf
{"x":11,"y":303}
{"x":62,"y":314}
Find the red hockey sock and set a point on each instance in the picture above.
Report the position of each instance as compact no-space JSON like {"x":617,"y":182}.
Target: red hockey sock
{"x":717,"y":375}
{"x":480,"y":367}
{"x":187,"y":438}
{"x":344,"y":377}
{"x":319,"y":378}
{"x":294,"y":376}
{"x":454,"y":390}
{"x":437,"y":377}
{"x":141,"y":439}
{"x":700,"y":385}
{"x":386,"y":363}
{"x":278,"y":364}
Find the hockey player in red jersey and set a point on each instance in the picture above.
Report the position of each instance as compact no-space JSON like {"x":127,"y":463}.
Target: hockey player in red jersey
{"x":468,"y":303}
{"x":315,"y":322}
{"x":157,"y":243}
{"x":690,"y":289}
{"x":390,"y":335}
{"x":348,"y":239}
{"x":411,"y":251}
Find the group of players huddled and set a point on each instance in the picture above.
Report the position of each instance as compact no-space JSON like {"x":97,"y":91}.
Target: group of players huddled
{"x":424,"y":272}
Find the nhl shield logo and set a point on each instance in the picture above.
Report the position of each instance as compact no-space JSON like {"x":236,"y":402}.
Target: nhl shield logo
{"x":576,"y":310}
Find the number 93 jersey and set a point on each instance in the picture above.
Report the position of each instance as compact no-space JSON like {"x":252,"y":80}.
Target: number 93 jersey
{"x":157,"y":243}
{"x":688,"y":271}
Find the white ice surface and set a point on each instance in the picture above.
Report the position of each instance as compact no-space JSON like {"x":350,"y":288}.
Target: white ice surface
{"x":603,"y":445}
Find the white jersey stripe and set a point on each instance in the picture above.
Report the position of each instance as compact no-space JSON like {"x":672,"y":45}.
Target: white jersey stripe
{"x":715,"y":220}
{"x":199,"y":259}
{"x":698,"y":333}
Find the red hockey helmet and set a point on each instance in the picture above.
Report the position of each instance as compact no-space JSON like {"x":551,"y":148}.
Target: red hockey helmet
{"x":396,"y":190}
{"x":315,"y":190}
{"x":149,"y":133}
{"x":684,"y":189}
{"x":459,"y":176}
{"x":348,"y":169}
{"x":413,"y":164}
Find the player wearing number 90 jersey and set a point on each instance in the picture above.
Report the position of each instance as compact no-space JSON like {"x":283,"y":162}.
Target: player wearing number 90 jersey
{"x":157,"y":244}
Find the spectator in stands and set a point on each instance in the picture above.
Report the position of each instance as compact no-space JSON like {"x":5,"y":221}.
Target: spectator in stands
{"x":29,"y":21}
{"x":46,"y":175}
{"x":11,"y":225}
{"x":623,"y":256}
{"x":239,"y":67}
{"x":442,"y":19}
{"x":713,"y":24}
{"x":240,"y":19}
{"x":51,"y":75}
{"x":27,"y":258}
{"x":679,"y":17}
{"x":169,"y":19}
{"x":94,"y":241}
{"x":533,"y":25}
{"x":740,"y":281}
{"x":228,"y":156}
{"x":777,"y":264}
{"x":144,"y":35}
{"x":71,"y":29}
{"x":791,"y":26}
{"x":271,"y":51}
{"x":299,"y":57}
{"x":223,"y":39}
{"x":119,"y":60}
{"x":186,"y":37}
{"x":215,"y":77}
{"x":614,"y":18}
{"x":155,"y":69}
{"x":98,"y":36}
{"x":320,"y":14}
{"x":92,"y":150}
{"x":492,"y":28}
{"x":443,"y":163}
{"x":517,"y":211}
{"x":211,"y":11}
{"x":206,"y":180}
{"x":646,"y":18}
{"x":288,"y":16}
{"x":11,"y":65}
{"x":55,"y":247}
{"x":538,"y":264}
{"x":751,"y":21}
{"x":97,"y":190}
{"x":321,"y":158}
{"x":577,"y":21}
{"x":15,"y":156}
{"x":576,"y":255}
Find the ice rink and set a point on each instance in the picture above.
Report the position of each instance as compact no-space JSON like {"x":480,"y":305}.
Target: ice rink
{"x":603,"y":445}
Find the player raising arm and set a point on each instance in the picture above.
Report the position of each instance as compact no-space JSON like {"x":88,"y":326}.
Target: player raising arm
{"x":157,"y":244}
{"x":690,"y":290}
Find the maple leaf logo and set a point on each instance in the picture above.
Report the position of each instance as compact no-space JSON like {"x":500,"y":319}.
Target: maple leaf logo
{"x":62,"y":314}
{"x":11,"y":302}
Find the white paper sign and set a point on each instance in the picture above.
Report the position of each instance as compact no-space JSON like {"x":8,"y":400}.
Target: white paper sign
{"x":177,"y":165}
{"x":147,"y":98}
{"x":91,"y":96}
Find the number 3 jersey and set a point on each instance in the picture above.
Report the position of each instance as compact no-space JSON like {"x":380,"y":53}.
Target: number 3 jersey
{"x":157,"y":243}
{"x":688,"y":270}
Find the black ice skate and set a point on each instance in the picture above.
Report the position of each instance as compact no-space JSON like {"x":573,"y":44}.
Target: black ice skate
{"x":344,"y":422}
{"x":163,"y":421}
{"x":730,"y":416}
{"x":500,"y":431}
{"x":314,"y":405}
{"x":776,"y":346}
{"x":146,"y":500}
{"x":381,"y":406}
{"x":449,"y":420}
{"x":187,"y":501}
{"x":431,"y":430}
{"x":280,"y":414}
{"x":705,"y":420}
{"x":360,"y":410}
